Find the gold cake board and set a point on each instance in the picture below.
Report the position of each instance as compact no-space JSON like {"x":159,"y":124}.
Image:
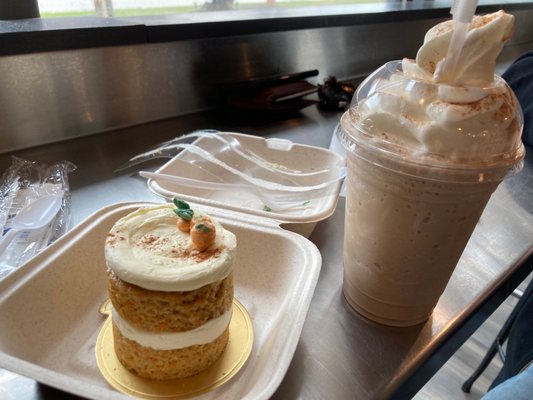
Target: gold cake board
{"x":230,"y":362}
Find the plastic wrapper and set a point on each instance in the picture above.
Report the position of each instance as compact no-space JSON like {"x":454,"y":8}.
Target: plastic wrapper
{"x":21,"y":184}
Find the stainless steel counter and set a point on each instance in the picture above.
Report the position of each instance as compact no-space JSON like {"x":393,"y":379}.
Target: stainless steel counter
{"x":340,"y":355}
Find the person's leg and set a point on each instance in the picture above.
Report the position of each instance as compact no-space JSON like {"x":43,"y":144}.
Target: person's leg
{"x":519,"y":387}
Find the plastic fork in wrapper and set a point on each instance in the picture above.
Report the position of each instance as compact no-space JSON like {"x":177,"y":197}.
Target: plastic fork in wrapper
{"x":20,"y":185}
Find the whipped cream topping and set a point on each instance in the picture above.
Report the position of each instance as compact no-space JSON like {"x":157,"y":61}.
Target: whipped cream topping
{"x":469,"y":122}
{"x":205,"y":333}
{"x":145,"y":248}
{"x":484,"y":41}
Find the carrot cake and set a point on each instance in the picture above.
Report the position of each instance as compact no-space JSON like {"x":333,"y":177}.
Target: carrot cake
{"x":171,"y":288}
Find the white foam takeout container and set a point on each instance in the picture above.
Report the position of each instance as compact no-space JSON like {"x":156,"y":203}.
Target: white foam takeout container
{"x":49,"y":307}
{"x":279,"y":152}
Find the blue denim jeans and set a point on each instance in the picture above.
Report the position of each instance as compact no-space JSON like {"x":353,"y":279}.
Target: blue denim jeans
{"x":519,"y":387}
{"x":515,"y":380}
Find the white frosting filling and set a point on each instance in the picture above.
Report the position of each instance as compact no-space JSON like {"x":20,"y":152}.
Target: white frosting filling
{"x":146,"y":249}
{"x":206,"y":333}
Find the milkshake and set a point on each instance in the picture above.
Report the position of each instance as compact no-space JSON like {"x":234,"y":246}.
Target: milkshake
{"x":425,"y":152}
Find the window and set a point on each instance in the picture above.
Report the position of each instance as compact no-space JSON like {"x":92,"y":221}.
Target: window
{"x":125,"y":8}
{"x":76,"y":24}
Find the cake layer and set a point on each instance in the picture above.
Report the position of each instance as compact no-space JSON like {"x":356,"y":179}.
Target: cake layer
{"x":205,"y":333}
{"x":157,"y":311}
{"x":145,"y":248}
{"x":167,"y":364}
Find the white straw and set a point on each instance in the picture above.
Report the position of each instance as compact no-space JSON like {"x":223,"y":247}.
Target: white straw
{"x":463,"y":12}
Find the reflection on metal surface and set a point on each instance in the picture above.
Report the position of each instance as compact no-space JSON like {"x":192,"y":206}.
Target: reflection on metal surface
{"x":47,"y":97}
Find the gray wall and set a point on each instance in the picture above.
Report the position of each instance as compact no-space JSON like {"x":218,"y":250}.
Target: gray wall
{"x":47,"y":97}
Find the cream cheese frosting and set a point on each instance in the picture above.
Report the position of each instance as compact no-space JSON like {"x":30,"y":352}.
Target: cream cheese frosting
{"x":145,"y":248}
{"x":469,"y":121}
{"x":205,"y":333}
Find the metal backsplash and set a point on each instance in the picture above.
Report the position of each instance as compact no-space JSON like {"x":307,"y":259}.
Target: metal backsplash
{"x":47,"y":97}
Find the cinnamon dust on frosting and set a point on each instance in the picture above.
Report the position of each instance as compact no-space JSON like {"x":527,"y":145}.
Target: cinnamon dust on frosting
{"x":146,"y":249}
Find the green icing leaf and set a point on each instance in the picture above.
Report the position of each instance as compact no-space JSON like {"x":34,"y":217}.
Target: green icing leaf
{"x":185,"y":214}
{"x":181,"y":204}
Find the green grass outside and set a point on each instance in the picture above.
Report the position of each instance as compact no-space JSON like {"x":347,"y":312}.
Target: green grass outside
{"x":132,"y":12}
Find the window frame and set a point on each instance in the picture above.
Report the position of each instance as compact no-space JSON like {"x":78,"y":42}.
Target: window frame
{"x":32,"y":35}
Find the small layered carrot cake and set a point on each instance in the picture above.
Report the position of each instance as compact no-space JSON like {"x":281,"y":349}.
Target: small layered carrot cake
{"x":171,"y":288}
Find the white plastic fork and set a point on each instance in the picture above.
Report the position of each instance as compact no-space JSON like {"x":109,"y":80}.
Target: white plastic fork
{"x":233,"y":143}
{"x":280,"y":201}
{"x":174,"y":146}
{"x":260,"y":183}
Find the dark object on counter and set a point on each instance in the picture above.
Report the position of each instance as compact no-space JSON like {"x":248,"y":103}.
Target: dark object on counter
{"x":20,"y":9}
{"x":335,"y":95}
{"x":284,"y":97}
{"x":278,"y":93}
{"x":265,"y":81}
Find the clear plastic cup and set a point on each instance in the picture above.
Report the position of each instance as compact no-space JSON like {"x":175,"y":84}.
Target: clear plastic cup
{"x":412,"y":204}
